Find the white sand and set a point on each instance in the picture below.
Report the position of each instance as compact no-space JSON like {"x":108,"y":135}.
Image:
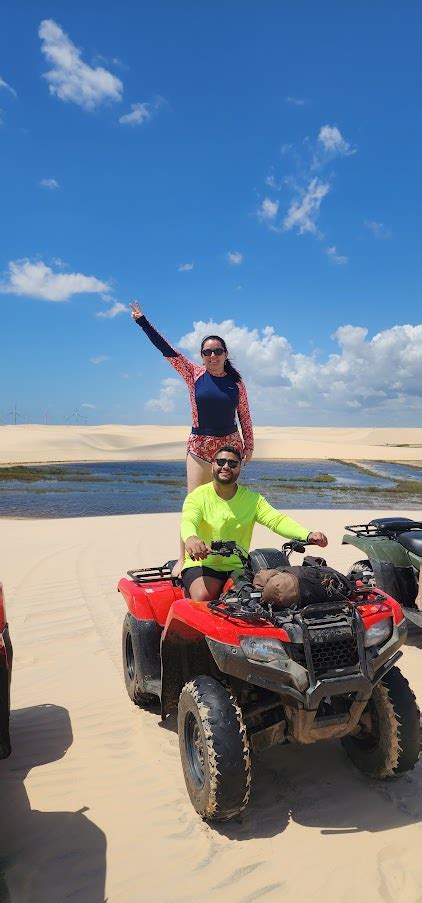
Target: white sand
{"x":104,"y":812}
{"x":35,"y":443}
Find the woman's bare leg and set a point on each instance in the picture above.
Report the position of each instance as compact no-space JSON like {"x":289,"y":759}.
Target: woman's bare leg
{"x":418,"y":600}
{"x":198,"y":472}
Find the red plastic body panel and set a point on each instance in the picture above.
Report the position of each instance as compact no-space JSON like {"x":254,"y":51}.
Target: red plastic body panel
{"x":372,"y":611}
{"x":186,"y":616}
{"x":167,"y":604}
{"x":150,"y":602}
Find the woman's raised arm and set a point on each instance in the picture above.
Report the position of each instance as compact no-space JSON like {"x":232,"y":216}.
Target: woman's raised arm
{"x":180,"y":363}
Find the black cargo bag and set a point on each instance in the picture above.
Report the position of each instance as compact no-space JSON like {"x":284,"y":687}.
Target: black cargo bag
{"x":300,"y":586}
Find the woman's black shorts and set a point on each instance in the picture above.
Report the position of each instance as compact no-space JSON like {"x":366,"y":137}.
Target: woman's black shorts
{"x":191,"y":574}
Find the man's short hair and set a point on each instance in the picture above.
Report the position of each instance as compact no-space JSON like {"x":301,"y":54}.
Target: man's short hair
{"x":229,"y":448}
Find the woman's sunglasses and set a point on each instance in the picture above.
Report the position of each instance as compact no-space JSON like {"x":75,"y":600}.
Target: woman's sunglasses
{"x":207,"y":352}
{"x":221,"y":462}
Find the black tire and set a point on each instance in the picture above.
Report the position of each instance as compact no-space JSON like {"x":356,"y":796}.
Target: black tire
{"x":130,"y":669}
{"x":214,"y":749}
{"x":359,"y":568}
{"x":389,"y":742}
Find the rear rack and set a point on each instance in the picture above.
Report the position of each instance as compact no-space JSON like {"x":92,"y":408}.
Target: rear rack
{"x":386,"y":532}
{"x":150,"y":575}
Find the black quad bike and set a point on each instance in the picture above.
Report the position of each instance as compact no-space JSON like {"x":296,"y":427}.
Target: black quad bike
{"x":245,"y":675}
{"x":393,"y":557}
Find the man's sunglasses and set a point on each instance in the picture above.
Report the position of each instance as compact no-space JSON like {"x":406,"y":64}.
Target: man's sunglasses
{"x":207,"y":352}
{"x":221,"y":462}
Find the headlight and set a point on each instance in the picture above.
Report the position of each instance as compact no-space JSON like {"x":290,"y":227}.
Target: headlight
{"x":261,"y":649}
{"x":379,"y":633}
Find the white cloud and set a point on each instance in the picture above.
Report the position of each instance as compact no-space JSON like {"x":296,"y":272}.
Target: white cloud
{"x":374,"y":381}
{"x":333,"y":142}
{"x":378,"y":229}
{"x":49,"y":183}
{"x":140,"y":112}
{"x":36,"y":280}
{"x":268,"y":210}
{"x":166,"y":401}
{"x":271,"y":181}
{"x":185,"y":267}
{"x":336,"y":258}
{"x":295,"y":101}
{"x":116,"y":309}
{"x":87,"y":404}
{"x":99,"y":359}
{"x":70,"y":79}
{"x":7,"y":87}
{"x":235,"y":258}
{"x":303,"y":213}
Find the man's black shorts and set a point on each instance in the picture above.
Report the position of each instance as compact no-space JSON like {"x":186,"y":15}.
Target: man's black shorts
{"x":191,"y":574}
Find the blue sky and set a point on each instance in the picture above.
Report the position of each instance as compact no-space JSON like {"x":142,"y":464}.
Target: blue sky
{"x":251,"y":166}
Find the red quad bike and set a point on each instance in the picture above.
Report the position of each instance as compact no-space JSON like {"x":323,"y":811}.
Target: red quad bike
{"x":6,"y":655}
{"x":245,"y":675}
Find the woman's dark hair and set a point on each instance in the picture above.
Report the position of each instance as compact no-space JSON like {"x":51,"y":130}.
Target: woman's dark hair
{"x":229,"y":448}
{"x":228,"y":366}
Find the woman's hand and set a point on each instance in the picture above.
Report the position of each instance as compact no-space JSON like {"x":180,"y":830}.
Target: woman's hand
{"x":247,"y":457}
{"x":136,"y":310}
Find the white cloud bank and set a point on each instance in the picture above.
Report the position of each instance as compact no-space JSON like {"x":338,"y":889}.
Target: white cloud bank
{"x":171,"y":390}
{"x":36,"y":280}
{"x":374,"y":381}
{"x":70,"y":78}
{"x":185,"y":267}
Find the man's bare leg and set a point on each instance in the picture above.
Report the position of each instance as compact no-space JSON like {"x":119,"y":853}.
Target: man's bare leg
{"x":198,"y":473}
{"x":204,"y":589}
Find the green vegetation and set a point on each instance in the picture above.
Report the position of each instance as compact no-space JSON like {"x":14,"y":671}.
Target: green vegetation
{"x":319,"y":478}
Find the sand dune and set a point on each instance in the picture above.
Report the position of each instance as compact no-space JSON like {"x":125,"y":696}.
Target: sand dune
{"x":93,"y":803}
{"x":35,"y":443}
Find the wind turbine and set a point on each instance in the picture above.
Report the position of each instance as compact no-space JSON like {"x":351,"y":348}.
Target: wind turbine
{"x":15,"y":414}
{"x":78,"y":417}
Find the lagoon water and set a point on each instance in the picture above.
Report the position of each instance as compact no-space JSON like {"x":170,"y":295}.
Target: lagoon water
{"x":155,"y":486}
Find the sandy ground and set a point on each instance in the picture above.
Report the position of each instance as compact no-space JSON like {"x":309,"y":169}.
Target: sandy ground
{"x":35,"y":443}
{"x":93,"y":803}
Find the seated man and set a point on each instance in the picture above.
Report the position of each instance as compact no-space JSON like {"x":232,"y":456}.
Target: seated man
{"x":223,"y":510}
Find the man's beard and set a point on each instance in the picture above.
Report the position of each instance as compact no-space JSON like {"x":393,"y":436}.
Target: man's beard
{"x":228,"y":479}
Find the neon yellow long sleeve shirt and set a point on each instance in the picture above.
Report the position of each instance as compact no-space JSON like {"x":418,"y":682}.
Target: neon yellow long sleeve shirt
{"x":210,"y":517}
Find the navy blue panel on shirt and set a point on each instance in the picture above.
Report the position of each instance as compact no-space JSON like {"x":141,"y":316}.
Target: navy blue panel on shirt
{"x":217,"y":398}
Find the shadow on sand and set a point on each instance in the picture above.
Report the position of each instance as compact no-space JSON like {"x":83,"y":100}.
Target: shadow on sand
{"x":318,"y":787}
{"x":45,"y":856}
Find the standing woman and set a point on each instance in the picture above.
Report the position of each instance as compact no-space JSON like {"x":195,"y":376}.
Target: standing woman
{"x":217,"y":394}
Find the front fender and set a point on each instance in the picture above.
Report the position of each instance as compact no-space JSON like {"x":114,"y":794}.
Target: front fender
{"x":379,"y":548}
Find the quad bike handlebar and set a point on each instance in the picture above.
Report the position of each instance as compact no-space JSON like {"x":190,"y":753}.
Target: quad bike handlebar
{"x":226,"y":548}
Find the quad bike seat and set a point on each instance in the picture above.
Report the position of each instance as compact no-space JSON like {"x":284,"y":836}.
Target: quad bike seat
{"x":392,"y":524}
{"x":412,"y":541}
{"x":266,"y":559}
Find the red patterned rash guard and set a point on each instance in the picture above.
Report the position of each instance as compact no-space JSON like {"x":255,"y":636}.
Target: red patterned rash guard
{"x":216,"y":401}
